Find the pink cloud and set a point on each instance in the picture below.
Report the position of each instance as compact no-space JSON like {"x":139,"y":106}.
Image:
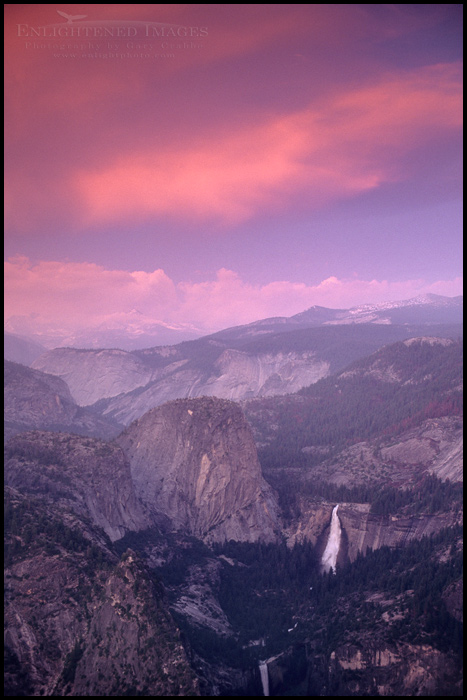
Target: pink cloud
{"x":344,"y":145}
{"x":83,"y":293}
{"x":66,"y":120}
{"x":74,"y":296}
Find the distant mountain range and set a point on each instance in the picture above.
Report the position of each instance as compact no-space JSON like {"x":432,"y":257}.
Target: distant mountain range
{"x":425,"y":309}
{"x":270,"y":357}
{"x":136,"y":331}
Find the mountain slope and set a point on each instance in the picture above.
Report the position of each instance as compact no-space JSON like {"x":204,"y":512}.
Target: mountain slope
{"x":77,"y":620}
{"x":36,"y":400}
{"x":428,"y":309}
{"x":369,"y":438}
{"x":22,"y":350}
{"x":396,"y":388}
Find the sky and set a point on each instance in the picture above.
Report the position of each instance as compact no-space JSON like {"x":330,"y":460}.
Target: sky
{"x":194,"y":167}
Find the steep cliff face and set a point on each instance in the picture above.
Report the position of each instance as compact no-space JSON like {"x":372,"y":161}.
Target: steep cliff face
{"x":78,"y":621}
{"x":235,"y":375}
{"x":367,"y":530}
{"x":88,"y":476}
{"x":243,"y":374}
{"x":128,"y":385}
{"x":236,"y":364}
{"x":361,"y":529}
{"x":34,"y":399}
{"x":194,"y":461}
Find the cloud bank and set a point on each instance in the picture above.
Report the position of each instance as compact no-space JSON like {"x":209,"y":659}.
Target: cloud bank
{"x":347,"y":144}
{"x":49,"y":295}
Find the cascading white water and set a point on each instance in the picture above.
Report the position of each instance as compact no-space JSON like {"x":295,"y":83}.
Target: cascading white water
{"x":263,"y":669}
{"x":329,"y":558}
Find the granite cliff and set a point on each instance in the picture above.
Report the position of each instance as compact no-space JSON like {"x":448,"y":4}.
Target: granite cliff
{"x":95,"y":374}
{"x":127,"y":384}
{"x":81,"y":620}
{"x":194,"y":461}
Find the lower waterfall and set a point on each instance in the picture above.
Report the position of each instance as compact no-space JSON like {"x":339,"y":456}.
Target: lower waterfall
{"x":329,"y":558}
{"x":263,"y":669}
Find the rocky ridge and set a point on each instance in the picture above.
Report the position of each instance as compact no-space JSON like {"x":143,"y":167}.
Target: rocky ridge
{"x":266,"y":358}
{"x":190,"y":482}
{"x":435,"y":446}
{"x":95,"y":374}
{"x":398,"y":669}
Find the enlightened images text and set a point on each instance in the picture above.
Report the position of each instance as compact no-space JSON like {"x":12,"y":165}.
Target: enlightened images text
{"x":81,"y":31}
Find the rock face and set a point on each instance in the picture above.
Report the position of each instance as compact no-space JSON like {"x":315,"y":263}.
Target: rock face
{"x":367,"y":530}
{"x":194,"y":461}
{"x":36,"y":400}
{"x":435,"y":446}
{"x":196,"y":599}
{"x":127,"y":385}
{"x":235,"y":375}
{"x":77,"y":620}
{"x":88,"y":476}
{"x":362,"y":530}
{"x":272,"y":357}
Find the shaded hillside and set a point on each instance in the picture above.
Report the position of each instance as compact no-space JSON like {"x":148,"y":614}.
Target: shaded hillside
{"x":22,"y":350}
{"x":388,"y":623}
{"x":35,"y":400}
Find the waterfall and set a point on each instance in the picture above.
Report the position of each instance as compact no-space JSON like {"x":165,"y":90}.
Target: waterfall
{"x":329,"y":557}
{"x":263,"y":669}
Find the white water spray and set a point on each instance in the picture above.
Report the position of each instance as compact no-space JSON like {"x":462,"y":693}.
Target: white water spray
{"x":263,"y":669}
{"x":329,"y":557}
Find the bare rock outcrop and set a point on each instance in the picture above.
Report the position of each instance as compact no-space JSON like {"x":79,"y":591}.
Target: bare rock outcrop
{"x":369,"y":530}
{"x":195,"y":462}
